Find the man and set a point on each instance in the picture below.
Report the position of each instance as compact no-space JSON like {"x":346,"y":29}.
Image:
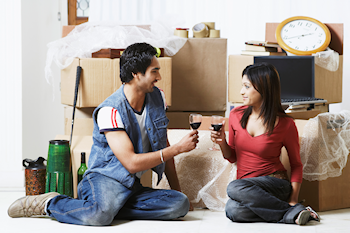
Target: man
{"x":129,"y":137}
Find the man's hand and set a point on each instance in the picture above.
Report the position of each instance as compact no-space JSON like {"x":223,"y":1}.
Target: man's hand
{"x":188,"y":142}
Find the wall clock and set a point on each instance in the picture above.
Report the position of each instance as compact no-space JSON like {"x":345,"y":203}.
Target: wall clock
{"x":301,"y":35}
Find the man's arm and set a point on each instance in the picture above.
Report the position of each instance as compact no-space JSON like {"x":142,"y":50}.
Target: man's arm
{"x":123,"y":149}
{"x":171,"y":174}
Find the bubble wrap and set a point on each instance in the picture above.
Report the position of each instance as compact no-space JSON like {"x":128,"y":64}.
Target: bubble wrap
{"x":203,"y":174}
{"x":325,"y":145}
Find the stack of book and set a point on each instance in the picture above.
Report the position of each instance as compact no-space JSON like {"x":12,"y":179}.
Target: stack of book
{"x":262,"y":48}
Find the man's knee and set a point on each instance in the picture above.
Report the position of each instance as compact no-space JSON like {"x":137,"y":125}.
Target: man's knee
{"x":181,"y":207}
{"x":99,"y":217}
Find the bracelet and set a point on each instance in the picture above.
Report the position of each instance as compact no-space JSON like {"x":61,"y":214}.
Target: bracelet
{"x":161,"y":156}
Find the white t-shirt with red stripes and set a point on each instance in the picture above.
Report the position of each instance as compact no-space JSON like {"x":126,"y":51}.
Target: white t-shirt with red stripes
{"x":108,"y":119}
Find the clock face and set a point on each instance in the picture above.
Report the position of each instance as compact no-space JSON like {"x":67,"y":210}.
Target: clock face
{"x":303,"y":35}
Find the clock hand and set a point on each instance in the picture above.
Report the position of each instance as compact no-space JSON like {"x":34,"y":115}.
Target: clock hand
{"x":299,"y":36}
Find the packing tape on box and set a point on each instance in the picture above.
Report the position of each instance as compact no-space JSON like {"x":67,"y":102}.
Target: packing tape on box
{"x":200,"y":30}
{"x":181,"y":33}
{"x":213,"y":33}
{"x":211,"y":25}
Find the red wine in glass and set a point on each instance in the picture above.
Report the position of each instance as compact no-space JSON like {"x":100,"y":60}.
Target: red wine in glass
{"x":195,"y":121}
{"x":216,"y":123}
{"x":195,"y":125}
{"x":216,"y":127}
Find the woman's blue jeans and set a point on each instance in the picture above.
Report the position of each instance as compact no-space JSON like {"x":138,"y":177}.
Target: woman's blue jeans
{"x":102,"y":199}
{"x":261,"y":199}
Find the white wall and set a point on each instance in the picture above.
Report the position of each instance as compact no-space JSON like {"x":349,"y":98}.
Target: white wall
{"x":42,"y":112}
{"x":11,"y":95}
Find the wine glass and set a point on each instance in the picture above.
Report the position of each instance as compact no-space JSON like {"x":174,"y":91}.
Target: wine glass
{"x":216,"y":123}
{"x":195,"y":121}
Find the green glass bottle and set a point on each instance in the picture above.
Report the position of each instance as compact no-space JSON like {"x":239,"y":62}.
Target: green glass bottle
{"x":82,"y":167}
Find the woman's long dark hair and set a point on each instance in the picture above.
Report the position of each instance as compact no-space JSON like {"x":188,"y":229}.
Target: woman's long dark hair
{"x":265,"y":79}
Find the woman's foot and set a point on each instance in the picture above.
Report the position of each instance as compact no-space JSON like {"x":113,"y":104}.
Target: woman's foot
{"x":303,"y":217}
{"x":313,"y":214}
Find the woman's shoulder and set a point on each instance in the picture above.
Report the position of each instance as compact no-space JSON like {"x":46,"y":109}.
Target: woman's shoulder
{"x":238,"y":110}
{"x":236,"y":114}
{"x":286,"y":121}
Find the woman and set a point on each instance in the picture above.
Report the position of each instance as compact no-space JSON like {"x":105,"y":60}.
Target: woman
{"x":258,"y":130}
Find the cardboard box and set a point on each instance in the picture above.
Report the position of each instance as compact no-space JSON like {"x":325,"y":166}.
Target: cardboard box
{"x":330,"y":194}
{"x":199,"y":76}
{"x":180,"y":120}
{"x":328,"y":84}
{"x":100,"y":78}
{"x":83,"y":122}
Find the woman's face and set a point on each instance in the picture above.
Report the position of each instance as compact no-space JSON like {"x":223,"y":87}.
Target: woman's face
{"x":251,"y":97}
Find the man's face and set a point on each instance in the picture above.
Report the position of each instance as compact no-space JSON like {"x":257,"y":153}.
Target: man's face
{"x":152,"y":75}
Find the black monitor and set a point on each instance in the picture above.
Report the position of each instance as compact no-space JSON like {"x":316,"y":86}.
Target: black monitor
{"x":297,"y":74}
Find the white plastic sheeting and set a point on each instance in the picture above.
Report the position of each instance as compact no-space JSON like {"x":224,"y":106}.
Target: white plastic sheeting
{"x":325,"y":145}
{"x":88,"y":38}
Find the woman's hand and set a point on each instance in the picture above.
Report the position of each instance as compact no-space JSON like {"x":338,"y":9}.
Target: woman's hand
{"x":218,"y":137}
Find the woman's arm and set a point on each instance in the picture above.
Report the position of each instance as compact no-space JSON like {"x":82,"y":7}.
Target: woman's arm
{"x":293,"y":200}
{"x":291,"y":143}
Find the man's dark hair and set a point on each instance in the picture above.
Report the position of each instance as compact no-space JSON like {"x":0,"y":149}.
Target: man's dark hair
{"x":136,"y":58}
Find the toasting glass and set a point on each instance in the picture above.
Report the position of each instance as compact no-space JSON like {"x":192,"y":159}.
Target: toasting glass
{"x":216,"y":123}
{"x":195,"y":121}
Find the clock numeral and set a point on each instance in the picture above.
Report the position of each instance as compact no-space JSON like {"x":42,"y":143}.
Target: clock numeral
{"x":300,"y":24}
{"x":320,"y":34}
{"x":306,"y":49}
{"x":308,"y":24}
{"x":286,"y":30}
{"x":296,"y":47}
{"x":291,"y":25}
{"x":313,"y":46}
{"x":315,"y":29}
{"x":319,"y":41}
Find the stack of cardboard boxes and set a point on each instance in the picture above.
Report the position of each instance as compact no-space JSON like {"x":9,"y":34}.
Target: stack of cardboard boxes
{"x":328,"y":84}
